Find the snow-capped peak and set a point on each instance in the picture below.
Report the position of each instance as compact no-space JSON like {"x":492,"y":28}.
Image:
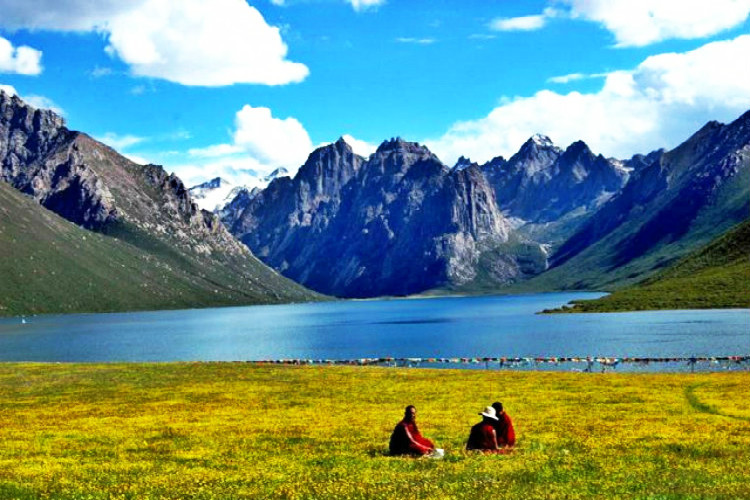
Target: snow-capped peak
{"x":542,"y":140}
{"x":213,"y":195}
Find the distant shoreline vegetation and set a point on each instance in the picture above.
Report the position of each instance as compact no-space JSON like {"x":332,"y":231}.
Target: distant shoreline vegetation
{"x":716,"y":276}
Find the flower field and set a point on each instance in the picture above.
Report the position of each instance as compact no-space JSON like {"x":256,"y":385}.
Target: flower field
{"x":234,"y":430}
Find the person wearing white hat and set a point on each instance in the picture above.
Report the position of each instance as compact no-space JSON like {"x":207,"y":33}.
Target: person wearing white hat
{"x":482,"y":436}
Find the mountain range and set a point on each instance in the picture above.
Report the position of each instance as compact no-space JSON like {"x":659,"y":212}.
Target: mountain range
{"x":401,"y":222}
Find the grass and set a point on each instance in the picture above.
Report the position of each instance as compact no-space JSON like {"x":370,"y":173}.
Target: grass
{"x":50,"y":265}
{"x":233,"y":430}
{"x":715,"y":276}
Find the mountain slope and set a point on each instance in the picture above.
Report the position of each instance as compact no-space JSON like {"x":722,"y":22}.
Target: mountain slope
{"x":679,"y":202}
{"x":52,"y":265}
{"x":93,"y":186}
{"x":715,"y":276}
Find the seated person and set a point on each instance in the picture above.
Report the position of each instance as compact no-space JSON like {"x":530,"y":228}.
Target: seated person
{"x":483,"y":436}
{"x":506,"y":435}
{"x":406,"y":439}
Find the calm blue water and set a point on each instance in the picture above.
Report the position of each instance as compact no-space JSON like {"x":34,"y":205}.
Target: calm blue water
{"x":444,"y":327}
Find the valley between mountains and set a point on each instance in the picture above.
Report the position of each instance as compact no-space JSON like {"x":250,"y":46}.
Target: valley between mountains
{"x":82,"y":228}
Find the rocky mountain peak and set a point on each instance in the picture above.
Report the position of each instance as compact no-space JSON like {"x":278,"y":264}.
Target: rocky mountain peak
{"x":463,"y":163}
{"x":399,"y":145}
{"x":577,"y":151}
{"x":640,"y":161}
{"x":27,"y":132}
{"x":335,"y":159}
{"x":334,"y":149}
{"x":396,"y":156}
{"x":494,"y":164}
{"x":15,"y":111}
{"x":536,"y":146}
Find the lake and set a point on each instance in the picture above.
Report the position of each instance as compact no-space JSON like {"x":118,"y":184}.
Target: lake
{"x":487,"y":326}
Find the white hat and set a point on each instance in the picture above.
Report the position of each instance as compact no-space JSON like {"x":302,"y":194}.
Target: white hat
{"x":489,"y":412}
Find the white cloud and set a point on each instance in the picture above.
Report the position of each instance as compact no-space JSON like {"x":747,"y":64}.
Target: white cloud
{"x":523,"y":23}
{"x":63,"y":15}
{"x":41,"y":102}
{"x":8,"y":89}
{"x":140,"y":160}
{"x":418,"y":41}
{"x":215,"y":151}
{"x":273,"y":141}
{"x":574,"y":77}
{"x":99,"y":72}
{"x":570,"y":77}
{"x":263,"y":140}
{"x":360,"y":5}
{"x":238,"y":171}
{"x":658,"y":104}
{"x":481,"y":36}
{"x":22,"y":60}
{"x":362,"y":148}
{"x":119,"y":142}
{"x":641,"y":22}
{"x":191,"y":42}
{"x":37,"y":101}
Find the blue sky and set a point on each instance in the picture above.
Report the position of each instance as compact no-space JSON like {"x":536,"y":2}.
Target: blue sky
{"x":226,"y":87}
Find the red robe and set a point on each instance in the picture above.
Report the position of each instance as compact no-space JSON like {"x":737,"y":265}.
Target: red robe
{"x":482,"y":437}
{"x":506,"y":436}
{"x":402,"y":444}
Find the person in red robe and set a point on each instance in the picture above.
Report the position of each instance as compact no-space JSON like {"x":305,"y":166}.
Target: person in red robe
{"x":406,"y":439}
{"x":506,"y":435}
{"x":483,"y":436}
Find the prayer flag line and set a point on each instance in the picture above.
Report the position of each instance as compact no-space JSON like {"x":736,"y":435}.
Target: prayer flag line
{"x":509,"y":362}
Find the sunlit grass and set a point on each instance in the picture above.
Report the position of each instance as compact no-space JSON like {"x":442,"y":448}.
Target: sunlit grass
{"x":231,"y":430}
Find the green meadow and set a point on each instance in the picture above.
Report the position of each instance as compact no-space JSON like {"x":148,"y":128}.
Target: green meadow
{"x":235,"y":430}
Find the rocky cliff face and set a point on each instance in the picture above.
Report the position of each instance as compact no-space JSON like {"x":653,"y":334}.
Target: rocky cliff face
{"x":548,"y":192}
{"x":542,"y":183}
{"x":282,"y":222}
{"x":398,"y":223}
{"x":93,"y":186}
{"x":42,"y":158}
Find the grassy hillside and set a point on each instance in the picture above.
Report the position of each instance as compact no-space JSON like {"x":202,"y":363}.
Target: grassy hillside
{"x":715,"y":276}
{"x":231,"y":430}
{"x":51,"y":265}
